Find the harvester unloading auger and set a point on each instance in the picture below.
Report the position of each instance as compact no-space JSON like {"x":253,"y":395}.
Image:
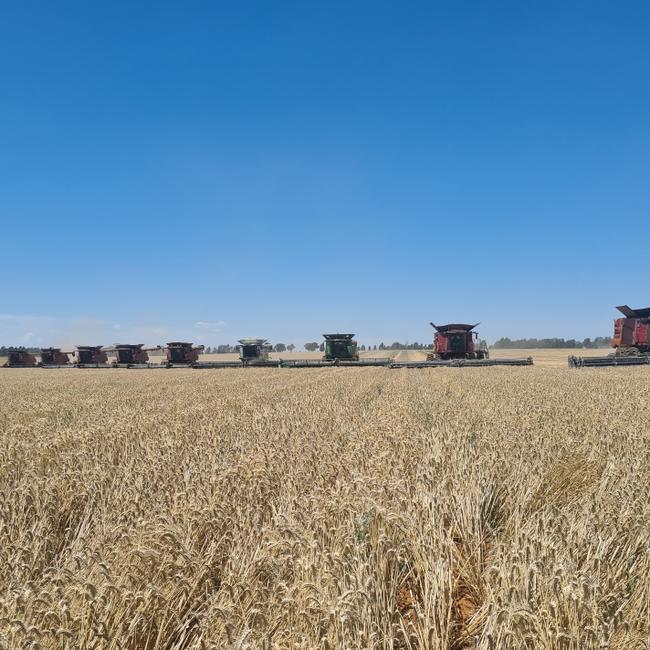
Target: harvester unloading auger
{"x":631,"y":341}
{"x":458,"y":345}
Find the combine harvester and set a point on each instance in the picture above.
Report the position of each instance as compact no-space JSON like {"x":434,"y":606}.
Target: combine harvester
{"x":85,"y":356}
{"x":55,"y":358}
{"x":340,"y":350}
{"x":252,"y":352}
{"x":255,"y":352}
{"x":133,"y":355}
{"x":454,"y":345}
{"x":457,"y":345}
{"x":631,"y":342}
{"x":20,"y":359}
{"x":127,"y":355}
{"x":180,"y":354}
{"x":91,"y":356}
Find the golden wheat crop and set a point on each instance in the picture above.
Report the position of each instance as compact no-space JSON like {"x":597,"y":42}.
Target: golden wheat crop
{"x":331,"y":508}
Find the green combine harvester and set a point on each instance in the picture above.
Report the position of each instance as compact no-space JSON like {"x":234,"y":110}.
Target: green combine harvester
{"x":252,"y":353}
{"x":340,"y":350}
{"x":255,"y":352}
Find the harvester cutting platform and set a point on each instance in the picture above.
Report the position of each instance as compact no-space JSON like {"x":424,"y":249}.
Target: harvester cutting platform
{"x":631,"y":341}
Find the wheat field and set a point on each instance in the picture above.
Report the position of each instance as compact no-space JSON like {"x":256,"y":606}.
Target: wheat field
{"x":442,"y":508}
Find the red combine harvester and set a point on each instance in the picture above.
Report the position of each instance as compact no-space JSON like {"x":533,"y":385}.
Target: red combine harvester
{"x":130,"y":354}
{"x":90,"y":355}
{"x":20,"y":359}
{"x":631,"y":341}
{"x":632,"y":333}
{"x":457,"y":341}
{"x":181,"y":353}
{"x":456,"y":345}
{"x":54,"y":357}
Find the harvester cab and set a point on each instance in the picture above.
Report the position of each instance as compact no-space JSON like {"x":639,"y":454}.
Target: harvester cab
{"x":340,"y":347}
{"x":181,"y":353}
{"x":54,"y":357}
{"x":20,"y":359}
{"x":457,"y":341}
{"x":253,"y":351}
{"x":91,"y":355}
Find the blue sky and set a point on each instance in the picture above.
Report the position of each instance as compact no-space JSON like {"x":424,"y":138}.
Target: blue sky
{"x":215,"y":170}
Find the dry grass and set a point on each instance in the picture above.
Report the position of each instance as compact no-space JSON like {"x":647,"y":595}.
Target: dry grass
{"x":330,"y":508}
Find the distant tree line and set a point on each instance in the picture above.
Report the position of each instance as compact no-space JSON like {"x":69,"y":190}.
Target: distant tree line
{"x":396,"y":345}
{"x":226,"y":348}
{"x":598,"y":342}
{"x":6,"y":349}
{"x":313,"y":346}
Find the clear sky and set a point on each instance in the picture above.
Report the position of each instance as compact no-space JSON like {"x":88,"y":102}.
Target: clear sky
{"x":213,"y":170}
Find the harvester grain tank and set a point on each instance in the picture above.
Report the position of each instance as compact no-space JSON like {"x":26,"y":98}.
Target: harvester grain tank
{"x":182,"y":353}
{"x":631,"y":341}
{"x":54,"y":357}
{"x":20,"y":359}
